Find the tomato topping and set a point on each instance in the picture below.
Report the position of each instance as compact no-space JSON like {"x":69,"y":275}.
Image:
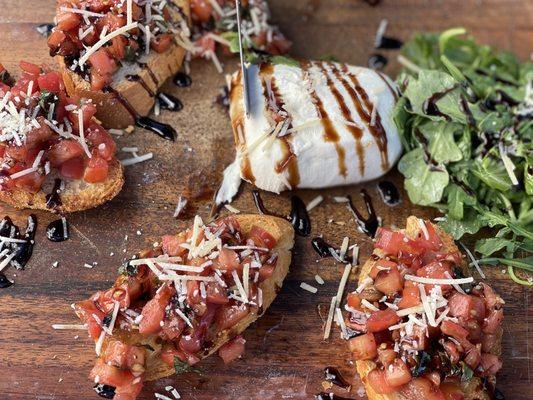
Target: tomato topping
{"x":232,"y":350}
{"x":98,"y":137}
{"x":201,"y":10}
{"x":73,"y":168}
{"x":161,"y":43}
{"x":354,"y":300}
{"x":97,"y":169}
{"x":216,"y":294}
{"x":493,"y":321}
{"x":452,"y":391}
{"x":67,"y":21}
{"x":382,"y":265}
{"x":363,"y":347}
{"x":436,"y":270}
{"x":262,"y":238}
{"x":378,"y":382}
{"x":389,"y":282}
{"x":50,"y":82}
{"x":421,"y":388}
{"x":30,"y":68}
{"x":381,"y":320}
{"x":410,"y":295}
{"x":394,"y":243}
{"x":230,"y":315}
{"x":386,"y":356}
{"x":490,"y":364}
{"x":465,"y":306}
{"x":31,"y":182}
{"x":86,"y":309}
{"x":229,"y":260}
{"x":154,"y":310}
{"x":397,"y":373}
{"x":63,"y":151}
{"x":172,"y":244}
{"x":102,"y":62}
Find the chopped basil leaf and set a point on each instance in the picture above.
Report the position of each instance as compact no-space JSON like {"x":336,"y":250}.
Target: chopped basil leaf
{"x":182,"y":367}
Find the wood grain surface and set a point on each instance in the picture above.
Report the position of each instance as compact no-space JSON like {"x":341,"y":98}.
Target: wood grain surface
{"x":285,"y":355}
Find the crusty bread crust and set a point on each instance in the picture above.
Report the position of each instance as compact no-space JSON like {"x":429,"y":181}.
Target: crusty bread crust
{"x":283,"y":232}
{"x":473,"y":389}
{"x":111,"y":112}
{"x":77,"y":196}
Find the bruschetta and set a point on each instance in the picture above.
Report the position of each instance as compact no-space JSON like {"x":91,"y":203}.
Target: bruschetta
{"x":420,"y":327}
{"x":119,"y":52}
{"x":304,"y":111}
{"x":54,"y":155}
{"x":179,"y":303}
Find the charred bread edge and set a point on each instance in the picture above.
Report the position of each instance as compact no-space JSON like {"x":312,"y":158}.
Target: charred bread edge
{"x":474,"y":388}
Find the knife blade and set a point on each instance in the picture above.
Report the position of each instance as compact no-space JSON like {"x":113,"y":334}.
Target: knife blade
{"x":244,"y":69}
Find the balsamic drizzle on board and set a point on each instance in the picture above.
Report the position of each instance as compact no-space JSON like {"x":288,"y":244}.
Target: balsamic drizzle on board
{"x":19,"y":252}
{"x":57,"y":231}
{"x":329,"y":396}
{"x":370,"y":224}
{"x":333,"y":375}
{"x":389,"y":193}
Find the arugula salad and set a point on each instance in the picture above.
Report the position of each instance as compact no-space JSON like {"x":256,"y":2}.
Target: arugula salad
{"x":466,"y":123}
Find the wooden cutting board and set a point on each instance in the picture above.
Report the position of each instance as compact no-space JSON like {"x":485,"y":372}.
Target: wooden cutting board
{"x":285,"y":354}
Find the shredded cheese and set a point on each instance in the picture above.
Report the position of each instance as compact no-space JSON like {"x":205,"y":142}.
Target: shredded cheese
{"x":315,"y":202}
{"x":83,"y":59}
{"x":329,"y":320}
{"x":308,"y":287}
{"x":435,"y":281}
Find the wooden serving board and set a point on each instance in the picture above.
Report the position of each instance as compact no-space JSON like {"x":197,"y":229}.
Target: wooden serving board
{"x":285,"y":354}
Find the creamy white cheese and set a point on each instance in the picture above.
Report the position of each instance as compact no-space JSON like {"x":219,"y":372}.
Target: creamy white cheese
{"x":336,"y":137}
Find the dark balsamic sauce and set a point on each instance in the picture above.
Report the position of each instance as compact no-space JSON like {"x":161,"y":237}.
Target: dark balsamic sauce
{"x":372,"y":3}
{"x":53,"y":199}
{"x":430,"y":105}
{"x":333,"y":375}
{"x":169,"y":102}
{"x":137,"y":78}
{"x":55,"y":231}
{"x":105,"y":391}
{"x":45,"y":29}
{"x":159,"y":128}
{"x":150,"y":72}
{"x":324,"y":249}
{"x":498,"y":395}
{"x":4,"y":282}
{"x":329,"y":396}
{"x":368,"y":225}
{"x":389,"y":193}
{"x":465,"y":108}
{"x":299,"y":217}
{"x":389,"y":43}
{"x":222,"y":98}
{"x":181,"y":79}
{"x":377,"y":61}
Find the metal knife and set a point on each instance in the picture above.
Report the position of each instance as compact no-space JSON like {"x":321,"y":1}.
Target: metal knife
{"x":244,"y":69}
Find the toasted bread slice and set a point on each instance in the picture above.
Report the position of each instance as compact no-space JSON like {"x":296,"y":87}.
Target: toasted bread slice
{"x":77,"y":196}
{"x":473,"y":388}
{"x":156,"y":68}
{"x":282,"y":231}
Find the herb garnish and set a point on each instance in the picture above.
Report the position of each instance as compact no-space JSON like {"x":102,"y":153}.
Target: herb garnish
{"x":466,"y":123}
{"x":182,"y":367}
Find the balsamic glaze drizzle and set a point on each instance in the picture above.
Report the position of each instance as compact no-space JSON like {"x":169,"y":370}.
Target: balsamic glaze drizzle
{"x":324,"y":249}
{"x":105,"y":391}
{"x":333,"y":375}
{"x":258,"y":201}
{"x":53,"y":199}
{"x":169,"y":102}
{"x":55,"y":231}
{"x":389,"y":43}
{"x":368,"y":225}
{"x":164,"y":130}
{"x":22,"y":251}
{"x":430,"y":105}
{"x":389,"y":193}
{"x":299,"y":217}
{"x":377,"y":61}
{"x":181,"y":79}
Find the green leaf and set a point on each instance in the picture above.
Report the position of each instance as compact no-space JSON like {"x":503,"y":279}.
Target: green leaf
{"x":457,"y":198}
{"x":467,"y":372}
{"x":487,"y":247}
{"x":127,"y":269}
{"x":284,"y":60}
{"x":470,"y":223}
{"x":424,"y":184}
{"x":493,"y":173}
{"x":441,"y":143}
{"x":528,"y":178}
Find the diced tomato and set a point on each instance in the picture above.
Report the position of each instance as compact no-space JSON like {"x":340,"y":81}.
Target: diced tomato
{"x":491,"y":298}
{"x":161,"y":43}
{"x":30,"y":68}
{"x":410,"y":296}
{"x":85,"y":310}
{"x":204,"y":45}
{"x":102,"y":62}
{"x":73,"y":168}
{"x":216,"y":294}
{"x":97,"y":169}
{"x":465,"y":306}
{"x":88,"y":110}
{"x":63,"y":151}
{"x":376,"y":379}
{"x":172,"y":328}
{"x":50,"y":82}
{"x":493,"y":321}
{"x":129,"y":391}
{"x":421,"y":388}
{"x":228,"y":260}
{"x":55,"y":40}
{"x":122,"y":355}
{"x":67,"y":21}
{"x":473,"y":357}
{"x":201,"y":10}
{"x":386,"y":356}
{"x":110,"y":375}
{"x":490,"y":364}
{"x":430,"y":242}
{"x":397,"y":373}
{"x":266,"y":271}
{"x":172,"y":245}
{"x":98,"y":82}
{"x":393,"y":242}
{"x":452,"y":351}
{"x":456,"y":331}
{"x":436,"y":270}
{"x":99,"y":5}
{"x":112,"y":21}
{"x":389,"y":282}
{"x":229,"y":316}
{"x":262,"y":238}
{"x":18,"y":153}
{"x":279,"y":45}
{"x":354,"y":300}
{"x":490,"y":341}
{"x":23,"y":83}
{"x":232,"y":350}
{"x":117,"y":49}
{"x":382,"y":265}
{"x":98,"y":137}
{"x":31,"y":182}
{"x":154,"y":310}
{"x":363,"y":347}
{"x":381,"y":320}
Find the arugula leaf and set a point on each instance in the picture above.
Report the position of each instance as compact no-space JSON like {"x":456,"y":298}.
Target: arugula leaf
{"x":465,"y":110}
{"x":424,"y":183}
{"x":284,"y":60}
